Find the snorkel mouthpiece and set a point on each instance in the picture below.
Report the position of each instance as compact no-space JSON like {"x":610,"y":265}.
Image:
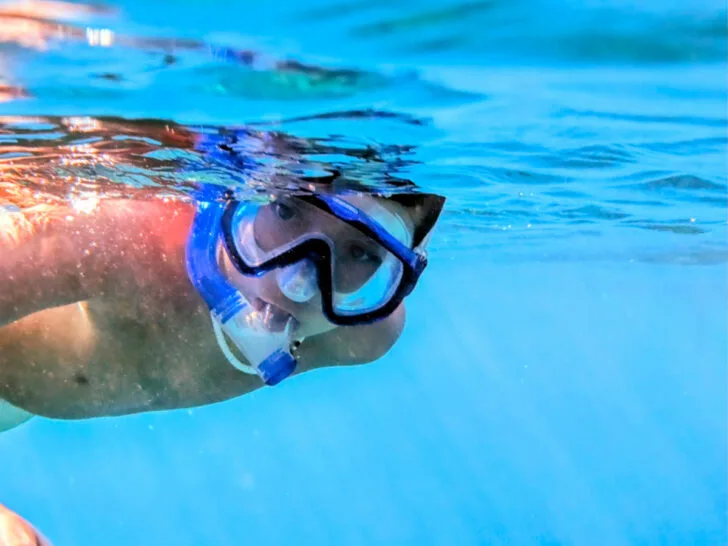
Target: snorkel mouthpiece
{"x":267,"y":351}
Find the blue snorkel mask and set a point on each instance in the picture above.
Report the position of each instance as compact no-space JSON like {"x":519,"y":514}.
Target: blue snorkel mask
{"x":352,"y":252}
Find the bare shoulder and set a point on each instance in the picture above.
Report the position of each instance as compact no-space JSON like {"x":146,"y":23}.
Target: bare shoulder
{"x":56,"y":255}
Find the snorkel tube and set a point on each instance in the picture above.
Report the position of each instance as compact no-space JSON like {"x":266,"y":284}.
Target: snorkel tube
{"x":232,"y":315}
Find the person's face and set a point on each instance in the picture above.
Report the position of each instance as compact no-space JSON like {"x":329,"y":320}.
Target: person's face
{"x":356,"y":258}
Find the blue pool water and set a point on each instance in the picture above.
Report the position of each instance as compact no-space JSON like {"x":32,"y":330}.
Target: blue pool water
{"x":562,"y":376}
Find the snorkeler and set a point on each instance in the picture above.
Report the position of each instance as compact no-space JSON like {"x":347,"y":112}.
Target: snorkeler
{"x":142,"y":304}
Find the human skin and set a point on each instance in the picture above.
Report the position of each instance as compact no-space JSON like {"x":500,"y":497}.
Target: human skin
{"x":15,"y":531}
{"x":98,"y":317}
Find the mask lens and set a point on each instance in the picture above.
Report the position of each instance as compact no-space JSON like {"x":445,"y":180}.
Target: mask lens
{"x":364,"y":276}
{"x":364,"y":273}
{"x":265,"y":231}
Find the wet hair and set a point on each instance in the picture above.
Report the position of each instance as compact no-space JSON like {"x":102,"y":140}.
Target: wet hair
{"x":370,"y":175}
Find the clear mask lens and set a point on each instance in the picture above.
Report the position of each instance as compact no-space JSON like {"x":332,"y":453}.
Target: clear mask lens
{"x":364,"y":274}
{"x":299,"y":281}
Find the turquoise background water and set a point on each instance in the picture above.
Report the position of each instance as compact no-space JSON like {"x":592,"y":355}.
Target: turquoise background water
{"x":562,"y":377}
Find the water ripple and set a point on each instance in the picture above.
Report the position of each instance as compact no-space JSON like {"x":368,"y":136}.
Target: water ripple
{"x":720,"y":122}
{"x":528,"y":158}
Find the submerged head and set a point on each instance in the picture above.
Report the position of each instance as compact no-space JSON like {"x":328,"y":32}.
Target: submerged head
{"x":329,"y":260}
{"x":305,"y":262}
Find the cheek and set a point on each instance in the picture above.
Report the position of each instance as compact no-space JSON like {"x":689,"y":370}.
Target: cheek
{"x":315,"y":325}
{"x":250,"y":287}
{"x":310,"y":314}
{"x":267,"y":287}
{"x":264,"y":287}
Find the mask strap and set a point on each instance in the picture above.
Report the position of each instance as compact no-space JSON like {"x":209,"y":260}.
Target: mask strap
{"x":225,"y":348}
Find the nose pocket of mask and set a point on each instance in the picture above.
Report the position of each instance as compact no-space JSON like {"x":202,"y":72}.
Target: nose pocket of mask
{"x":299,"y":281}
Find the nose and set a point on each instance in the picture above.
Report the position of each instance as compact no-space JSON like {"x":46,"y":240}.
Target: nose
{"x":299,"y":281}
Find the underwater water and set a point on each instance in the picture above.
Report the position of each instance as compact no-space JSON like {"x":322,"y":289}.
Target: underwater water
{"x":562,"y":375}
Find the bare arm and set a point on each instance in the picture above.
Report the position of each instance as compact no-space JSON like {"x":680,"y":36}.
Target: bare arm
{"x":58,"y":256}
{"x":36,"y":266}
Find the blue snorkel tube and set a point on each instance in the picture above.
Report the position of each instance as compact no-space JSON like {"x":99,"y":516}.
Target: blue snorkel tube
{"x":232,"y":315}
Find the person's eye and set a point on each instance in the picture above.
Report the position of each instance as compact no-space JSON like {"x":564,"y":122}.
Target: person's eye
{"x":284,"y":211}
{"x":363,"y":255}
